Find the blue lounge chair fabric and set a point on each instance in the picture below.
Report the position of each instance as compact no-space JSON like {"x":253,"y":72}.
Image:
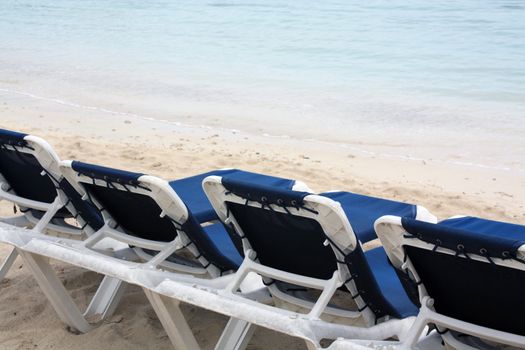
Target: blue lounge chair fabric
{"x":379,"y":287}
{"x":272,"y":234}
{"x":461,"y":286}
{"x":23,"y":173}
{"x":362,"y":211}
{"x":12,"y":138}
{"x":106,"y":173}
{"x":190,"y":189}
{"x":265,"y":192}
{"x":472,"y":235}
{"x":389,"y":284}
{"x":220,"y":239}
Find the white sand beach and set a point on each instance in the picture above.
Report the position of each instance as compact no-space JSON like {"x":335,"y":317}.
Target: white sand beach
{"x":27,"y":321}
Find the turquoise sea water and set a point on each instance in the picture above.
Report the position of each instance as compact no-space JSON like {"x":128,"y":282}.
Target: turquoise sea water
{"x":373,"y":67}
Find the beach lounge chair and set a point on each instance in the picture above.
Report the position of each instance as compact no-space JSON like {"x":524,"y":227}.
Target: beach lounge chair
{"x":300,"y":240}
{"x":468,"y":275}
{"x":29,"y":177}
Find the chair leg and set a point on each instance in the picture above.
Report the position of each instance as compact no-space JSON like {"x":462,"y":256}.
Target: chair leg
{"x":55,"y":292}
{"x":106,"y":298}
{"x":236,"y":335}
{"x":8,"y":262}
{"x":173,"y":321}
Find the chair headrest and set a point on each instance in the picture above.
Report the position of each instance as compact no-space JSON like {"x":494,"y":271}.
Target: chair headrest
{"x":470,"y":235}
{"x":107,"y":174}
{"x":9,"y":137}
{"x":264,"y":194}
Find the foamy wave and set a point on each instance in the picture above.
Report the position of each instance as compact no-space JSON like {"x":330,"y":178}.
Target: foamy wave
{"x":109,"y":111}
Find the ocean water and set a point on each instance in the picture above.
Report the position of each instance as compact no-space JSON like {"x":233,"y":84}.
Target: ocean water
{"x":407,"y":73}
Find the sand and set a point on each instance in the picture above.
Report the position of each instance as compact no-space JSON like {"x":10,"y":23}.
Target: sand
{"x":27,"y":320}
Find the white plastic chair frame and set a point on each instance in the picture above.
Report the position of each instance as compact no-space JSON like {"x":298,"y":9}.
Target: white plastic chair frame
{"x":331,"y":217}
{"x":166,"y":290}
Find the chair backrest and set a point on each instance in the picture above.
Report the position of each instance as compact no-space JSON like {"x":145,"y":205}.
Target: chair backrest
{"x":30,"y":167}
{"x":276,"y":235}
{"x":142,"y":206}
{"x":473,"y":269}
{"x":297,"y":232}
{"x":21,"y":170}
{"x":136,"y":212}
